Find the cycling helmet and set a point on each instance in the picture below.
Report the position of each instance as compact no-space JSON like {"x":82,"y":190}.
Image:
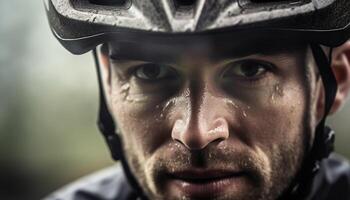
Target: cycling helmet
{"x":80,"y":25}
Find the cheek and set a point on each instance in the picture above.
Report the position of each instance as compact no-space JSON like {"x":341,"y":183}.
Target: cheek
{"x":278,"y":118}
{"x":139,"y":119}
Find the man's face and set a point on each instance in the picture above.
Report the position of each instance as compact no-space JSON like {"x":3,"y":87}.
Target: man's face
{"x":202,"y":127}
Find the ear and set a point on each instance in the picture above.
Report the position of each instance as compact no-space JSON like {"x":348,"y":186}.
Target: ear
{"x":341,"y":70}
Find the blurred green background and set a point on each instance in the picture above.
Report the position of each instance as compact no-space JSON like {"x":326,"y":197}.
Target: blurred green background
{"x":48,"y":108}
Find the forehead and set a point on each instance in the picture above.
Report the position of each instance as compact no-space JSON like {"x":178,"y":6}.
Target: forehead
{"x":173,"y":50}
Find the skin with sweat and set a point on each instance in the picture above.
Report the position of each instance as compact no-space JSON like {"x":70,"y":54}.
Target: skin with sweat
{"x":200,"y":128}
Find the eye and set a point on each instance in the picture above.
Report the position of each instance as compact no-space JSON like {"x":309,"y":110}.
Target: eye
{"x":152,"y":72}
{"x":247,"y":69}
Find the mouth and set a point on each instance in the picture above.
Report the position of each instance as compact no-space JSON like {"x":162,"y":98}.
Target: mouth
{"x":207,"y":183}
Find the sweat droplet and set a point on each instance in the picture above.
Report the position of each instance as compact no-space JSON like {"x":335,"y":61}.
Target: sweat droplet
{"x":244,"y":113}
{"x":187,"y":93}
{"x":125,"y":86}
{"x":124,"y":90}
{"x":277,"y":90}
{"x":168,"y":104}
{"x":230,"y":103}
{"x":128,"y":98}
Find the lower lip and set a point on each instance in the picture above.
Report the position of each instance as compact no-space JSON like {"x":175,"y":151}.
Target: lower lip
{"x":209,"y":189}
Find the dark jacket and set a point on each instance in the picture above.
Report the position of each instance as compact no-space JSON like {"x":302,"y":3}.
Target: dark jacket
{"x":332,"y":182}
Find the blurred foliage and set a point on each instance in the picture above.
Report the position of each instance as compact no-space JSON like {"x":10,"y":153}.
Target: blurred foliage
{"x":48,"y":108}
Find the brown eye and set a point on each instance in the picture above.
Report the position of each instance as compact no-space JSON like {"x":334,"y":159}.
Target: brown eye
{"x":246,"y":69}
{"x":152,"y":71}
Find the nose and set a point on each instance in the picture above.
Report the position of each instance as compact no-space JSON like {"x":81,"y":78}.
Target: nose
{"x":202,"y":123}
{"x":195,"y":138}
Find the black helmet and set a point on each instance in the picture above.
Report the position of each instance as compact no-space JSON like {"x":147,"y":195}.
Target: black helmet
{"x":81,"y":25}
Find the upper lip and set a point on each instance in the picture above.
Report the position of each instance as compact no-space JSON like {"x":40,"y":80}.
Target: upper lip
{"x":195,"y":174}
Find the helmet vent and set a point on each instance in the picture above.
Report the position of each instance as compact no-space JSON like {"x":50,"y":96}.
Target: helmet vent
{"x":271,"y":4}
{"x":274,"y":1}
{"x":184,"y":3}
{"x":108,"y":2}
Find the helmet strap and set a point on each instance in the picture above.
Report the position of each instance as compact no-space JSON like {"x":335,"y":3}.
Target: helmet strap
{"x":324,"y":138}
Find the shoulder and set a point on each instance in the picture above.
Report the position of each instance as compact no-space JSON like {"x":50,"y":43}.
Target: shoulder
{"x":107,"y":184}
{"x":333,"y":179}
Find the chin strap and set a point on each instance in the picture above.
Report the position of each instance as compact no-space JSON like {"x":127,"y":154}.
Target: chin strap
{"x":107,"y":127}
{"x":323,"y":144}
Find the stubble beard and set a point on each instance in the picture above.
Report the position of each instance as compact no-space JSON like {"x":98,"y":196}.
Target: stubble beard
{"x":269,"y":177}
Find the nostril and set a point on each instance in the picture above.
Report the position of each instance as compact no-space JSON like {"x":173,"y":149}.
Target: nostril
{"x":192,"y":144}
